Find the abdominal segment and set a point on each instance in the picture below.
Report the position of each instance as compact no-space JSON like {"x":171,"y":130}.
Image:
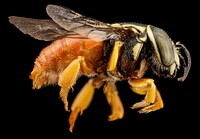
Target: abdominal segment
{"x":54,"y":58}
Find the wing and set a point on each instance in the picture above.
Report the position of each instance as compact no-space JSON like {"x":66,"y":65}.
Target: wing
{"x":85,"y":26}
{"x":46,"y":30}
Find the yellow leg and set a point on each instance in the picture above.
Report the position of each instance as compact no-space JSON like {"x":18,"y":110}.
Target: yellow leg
{"x":141,"y":71}
{"x":81,"y":102}
{"x":152,"y":100}
{"x":117,"y":110}
{"x":68,"y":78}
{"x":114,"y":56}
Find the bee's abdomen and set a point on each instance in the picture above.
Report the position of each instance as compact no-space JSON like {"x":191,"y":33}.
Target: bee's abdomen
{"x":54,"y":58}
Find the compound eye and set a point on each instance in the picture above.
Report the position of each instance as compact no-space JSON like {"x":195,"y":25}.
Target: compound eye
{"x":162,"y":44}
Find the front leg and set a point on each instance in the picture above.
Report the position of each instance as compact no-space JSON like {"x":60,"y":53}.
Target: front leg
{"x":139,"y":73}
{"x":152,"y":100}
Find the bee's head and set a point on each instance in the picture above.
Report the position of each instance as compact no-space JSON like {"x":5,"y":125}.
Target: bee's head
{"x":168,"y":57}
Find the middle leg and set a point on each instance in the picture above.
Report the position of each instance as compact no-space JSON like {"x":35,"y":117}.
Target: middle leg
{"x":117,"y":109}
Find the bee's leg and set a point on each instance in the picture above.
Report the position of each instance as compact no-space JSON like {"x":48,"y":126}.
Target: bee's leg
{"x":141,"y":71}
{"x":152,"y":100}
{"x":82,"y":100}
{"x":68,"y":78}
{"x":114,"y":56}
{"x":117,"y":109}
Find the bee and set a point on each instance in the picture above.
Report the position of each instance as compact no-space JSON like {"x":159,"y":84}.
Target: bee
{"x":106,"y":53}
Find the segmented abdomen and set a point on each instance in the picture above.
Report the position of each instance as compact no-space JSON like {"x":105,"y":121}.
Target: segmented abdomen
{"x":54,"y":58}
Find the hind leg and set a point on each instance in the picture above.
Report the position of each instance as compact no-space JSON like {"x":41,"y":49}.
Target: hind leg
{"x":81,"y":102}
{"x":69,"y":76}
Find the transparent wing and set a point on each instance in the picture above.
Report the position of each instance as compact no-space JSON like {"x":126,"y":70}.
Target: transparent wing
{"x":40,"y":29}
{"x":85,"y":26}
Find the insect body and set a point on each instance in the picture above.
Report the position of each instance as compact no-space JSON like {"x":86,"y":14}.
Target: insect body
{"x":106,"y":53}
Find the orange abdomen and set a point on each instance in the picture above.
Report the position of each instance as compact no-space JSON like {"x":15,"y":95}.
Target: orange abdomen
{"x":54,"y":58}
